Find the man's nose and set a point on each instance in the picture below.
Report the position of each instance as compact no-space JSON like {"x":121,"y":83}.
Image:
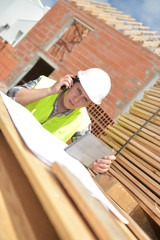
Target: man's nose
{"x":78,"y":98}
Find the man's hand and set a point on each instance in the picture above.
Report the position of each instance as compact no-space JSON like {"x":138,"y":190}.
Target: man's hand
{"x":103,"y":165}
{"x":64,"y":81}
{"x":25,"y":96}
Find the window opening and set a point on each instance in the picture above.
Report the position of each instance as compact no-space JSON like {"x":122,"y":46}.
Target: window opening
{"x":69,"y":40}
{"x":40,"y":68}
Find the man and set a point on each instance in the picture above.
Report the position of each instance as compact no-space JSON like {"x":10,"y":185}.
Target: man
{"x":63,"y":113}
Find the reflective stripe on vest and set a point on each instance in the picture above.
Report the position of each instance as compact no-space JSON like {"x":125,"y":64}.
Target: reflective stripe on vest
{"x":62,"y":127}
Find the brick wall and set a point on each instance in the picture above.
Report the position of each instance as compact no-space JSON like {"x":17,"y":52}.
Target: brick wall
{"x":129,"y":65}
{"x":8,"y":60}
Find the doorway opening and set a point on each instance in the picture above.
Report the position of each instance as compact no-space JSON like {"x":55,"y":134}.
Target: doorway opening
{"x":41,"y":67}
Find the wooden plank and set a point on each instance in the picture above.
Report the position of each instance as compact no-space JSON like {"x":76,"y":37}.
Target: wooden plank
{"x":117,"y":15}
{"x":146,"y":37}
{"x":144,"y":182}
{"x":156,"y":99}
{"x":157,"y":88}
{"x":116,"y":191}
{"x":25,"y":211}
{"x":146,"y":106}
{"x":151,"y":43}
{"x":134,"y":127}
{"x":136,"y":185}
{"x":127,"y":18}
{"x":158,"y":83}
{"x":91,"y":3}
{"x":114,"y":22}
{"x":6,"y":227}
{"x":106,"y":18}
{"x":144,"y":142}
{"x":137,"y":192}
{"x":119,"y":196}
{"x":152,"y":158}
{"x":92,"y":6}
{"x":138,"y":32}
{"x":143,"y":27}
{"x":152,"y":93}
{"x":144,"y":115}
{"x":101,"y":221}
{"x":148,"y":99}
{"x":55,"y":203}
{"x":123,"y":26}
{"x":154,"y":130}
{"x":139,"y":195}
{"x":140,"y":163}
{"x":139,"y":153}
{"x":136,"y":151}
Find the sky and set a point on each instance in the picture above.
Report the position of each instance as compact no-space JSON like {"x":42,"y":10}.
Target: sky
{"x":145,"y":11}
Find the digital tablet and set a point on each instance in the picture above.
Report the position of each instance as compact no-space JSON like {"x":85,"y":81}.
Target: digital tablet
{"x":88,"y":149}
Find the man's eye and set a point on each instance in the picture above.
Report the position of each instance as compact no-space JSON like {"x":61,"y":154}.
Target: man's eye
{"x":86,"y":99}
{"x":79,"y":90}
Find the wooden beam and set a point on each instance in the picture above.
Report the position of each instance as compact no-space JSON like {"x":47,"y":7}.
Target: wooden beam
{"x":133,"y":158}
{"x":123,"y":27}
{"x":146,"y":203}
{"x":101,"y":222}
{"x":7,"y":230}
{"x":144,"y":115}
{"x":139,"y":32}
{"x":151,"y":43}
{"x":145,"y":38}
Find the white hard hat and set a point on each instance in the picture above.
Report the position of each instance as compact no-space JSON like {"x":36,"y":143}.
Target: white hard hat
{"x":96,"y":83}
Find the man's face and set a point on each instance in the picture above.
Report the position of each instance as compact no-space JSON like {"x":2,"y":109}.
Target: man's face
{"x":76,"y":97}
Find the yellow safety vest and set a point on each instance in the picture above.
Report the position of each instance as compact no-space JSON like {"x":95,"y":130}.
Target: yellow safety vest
{"x":63,"y":127}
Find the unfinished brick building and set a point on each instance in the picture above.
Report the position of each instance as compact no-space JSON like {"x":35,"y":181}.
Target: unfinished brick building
{"x":70,"y":38}
{"x":79,"y":34}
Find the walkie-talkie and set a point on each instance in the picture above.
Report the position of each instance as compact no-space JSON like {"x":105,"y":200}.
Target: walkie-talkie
{"x":75,"y":79}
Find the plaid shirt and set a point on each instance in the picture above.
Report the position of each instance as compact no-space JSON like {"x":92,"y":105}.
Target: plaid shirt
{"x":31,"y":84}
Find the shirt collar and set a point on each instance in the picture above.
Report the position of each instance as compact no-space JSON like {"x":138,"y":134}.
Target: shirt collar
{"x":55,"y":107}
